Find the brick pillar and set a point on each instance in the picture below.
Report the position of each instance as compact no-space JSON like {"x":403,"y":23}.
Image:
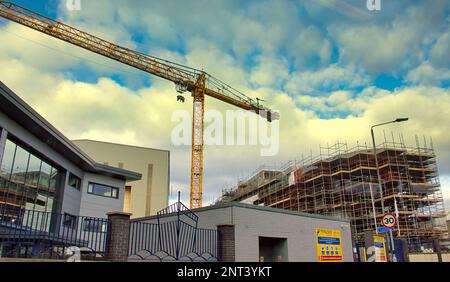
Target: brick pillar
{"x":119,"y":236}
{"x":226,"y":243}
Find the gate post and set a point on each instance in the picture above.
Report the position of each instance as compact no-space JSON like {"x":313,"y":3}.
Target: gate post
{"x":226,"y":243}
{"x":119,"y":236}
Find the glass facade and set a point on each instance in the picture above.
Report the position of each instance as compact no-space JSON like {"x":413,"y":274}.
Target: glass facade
{"x":26,"y":181}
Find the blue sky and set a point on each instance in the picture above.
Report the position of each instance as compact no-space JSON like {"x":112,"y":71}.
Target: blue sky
{"x":331,"y":67}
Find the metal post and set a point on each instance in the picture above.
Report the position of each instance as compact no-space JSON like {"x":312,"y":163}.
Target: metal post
{"x":373,"y":208}
{"x":392,"y":248}
{"x":378,"y":171}
{"x":178,"y":227}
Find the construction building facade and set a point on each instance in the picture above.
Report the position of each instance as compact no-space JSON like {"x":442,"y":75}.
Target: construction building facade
{"x":343,"y":182}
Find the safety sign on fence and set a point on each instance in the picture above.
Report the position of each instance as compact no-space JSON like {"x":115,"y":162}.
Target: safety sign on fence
{"x":329,"y":245}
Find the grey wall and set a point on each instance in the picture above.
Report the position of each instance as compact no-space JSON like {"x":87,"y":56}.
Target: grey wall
{"x":251,"y":222}
{"x":71,"y":199}
{"x":98,"y":206}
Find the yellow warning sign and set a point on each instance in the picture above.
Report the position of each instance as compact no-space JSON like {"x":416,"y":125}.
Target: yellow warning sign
{"x":380,"y":250}
{"x":329,"y":245}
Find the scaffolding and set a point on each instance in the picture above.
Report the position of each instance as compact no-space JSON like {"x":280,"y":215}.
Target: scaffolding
{"x":343,"y":182}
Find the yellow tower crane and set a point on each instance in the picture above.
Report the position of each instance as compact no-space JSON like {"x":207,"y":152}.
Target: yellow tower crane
{"x":199,"y":83}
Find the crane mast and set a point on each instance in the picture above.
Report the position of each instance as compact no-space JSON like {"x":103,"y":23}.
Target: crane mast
{"x":197,"y":82}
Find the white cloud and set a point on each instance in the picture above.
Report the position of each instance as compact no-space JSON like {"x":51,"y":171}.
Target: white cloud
{"x":310,"y":47}
{"x":439,"y":54}
{"x":270,"y":71}
{"x":426,"y":74}
{"x":394,"y":45}
{"x":330,"y":78}
{"x":218,"y":40}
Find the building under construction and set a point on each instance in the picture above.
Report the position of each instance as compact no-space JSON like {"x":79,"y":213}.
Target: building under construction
{"x":343,"y":182}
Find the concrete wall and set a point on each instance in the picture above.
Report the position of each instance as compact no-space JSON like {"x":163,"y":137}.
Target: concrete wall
{"x":252,"y":222}
{"x":151,"y":193}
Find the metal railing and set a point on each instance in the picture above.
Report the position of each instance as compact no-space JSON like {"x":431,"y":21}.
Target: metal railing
{"x":39,"y":234}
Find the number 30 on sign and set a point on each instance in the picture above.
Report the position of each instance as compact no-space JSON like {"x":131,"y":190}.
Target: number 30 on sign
{"x":389,"y":221}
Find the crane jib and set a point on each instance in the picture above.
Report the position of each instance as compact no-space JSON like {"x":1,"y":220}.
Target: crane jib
{"x":199,"y":83}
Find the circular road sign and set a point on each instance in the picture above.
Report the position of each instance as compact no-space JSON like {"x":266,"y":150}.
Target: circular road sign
{"x":389,"y":221}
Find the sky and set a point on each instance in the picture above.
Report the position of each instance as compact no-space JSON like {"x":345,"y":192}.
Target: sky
{"x":332,"y":68}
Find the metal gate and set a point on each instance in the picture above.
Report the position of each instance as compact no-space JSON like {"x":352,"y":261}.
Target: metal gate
{"x":172,"y":240}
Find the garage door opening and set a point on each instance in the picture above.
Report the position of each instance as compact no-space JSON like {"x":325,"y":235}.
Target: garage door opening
{"x":273,"y":249}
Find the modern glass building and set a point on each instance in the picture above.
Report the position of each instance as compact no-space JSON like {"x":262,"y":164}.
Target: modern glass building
{"x":42,"y":170}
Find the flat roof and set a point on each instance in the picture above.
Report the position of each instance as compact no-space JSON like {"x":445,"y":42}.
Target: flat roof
{"x":254,"y":207}
{"x":19,"y":111}
{"x":118,"y":144}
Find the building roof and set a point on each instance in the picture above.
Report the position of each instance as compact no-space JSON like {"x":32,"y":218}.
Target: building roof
{"x":118,"y":144}
{"x":19,"y":111}
{"x":255,"y":207}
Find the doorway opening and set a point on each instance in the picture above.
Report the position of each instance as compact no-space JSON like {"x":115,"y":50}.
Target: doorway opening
{"x":273,"y":249}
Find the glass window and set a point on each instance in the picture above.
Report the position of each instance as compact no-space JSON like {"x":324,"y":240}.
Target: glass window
{"x":34,"y":168}
{"x":20,"y":166}
{"x":6,"y":169}
{"x":8,"y":159}
{"x":94,"y":225}
{"x":74,"y":181}
{"x":26,"y":181}
{"x":103,"y":190}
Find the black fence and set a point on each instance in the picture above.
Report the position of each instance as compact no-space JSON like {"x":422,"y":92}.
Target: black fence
{"x":47,"y":235}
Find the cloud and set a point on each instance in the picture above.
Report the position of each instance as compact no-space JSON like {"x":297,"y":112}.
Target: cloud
{"x":252,"y":46}
{"x":270,"y":71}
{"x":426,"y":74}
{"x":439,"y":54}
{"x":310,"y":47}
{"x":395,"y":45}
{"x":324,"y":80}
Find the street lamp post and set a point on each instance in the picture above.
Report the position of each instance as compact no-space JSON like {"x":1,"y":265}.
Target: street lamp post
{"x":376,"y":158}
{"x":379,"y":178}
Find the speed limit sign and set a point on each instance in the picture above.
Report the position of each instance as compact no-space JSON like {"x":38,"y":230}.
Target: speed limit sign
{"x":389,"y":221}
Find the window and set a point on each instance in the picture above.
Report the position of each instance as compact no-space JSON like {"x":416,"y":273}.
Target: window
{"x":26,"y":180}
{"x":69,"y":220}
{"x":103,"y":190}
{"x":74,"y":181}
{"x":94,"y":225}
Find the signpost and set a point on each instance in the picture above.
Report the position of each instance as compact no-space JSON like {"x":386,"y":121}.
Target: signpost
{"x":389,"y":221}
